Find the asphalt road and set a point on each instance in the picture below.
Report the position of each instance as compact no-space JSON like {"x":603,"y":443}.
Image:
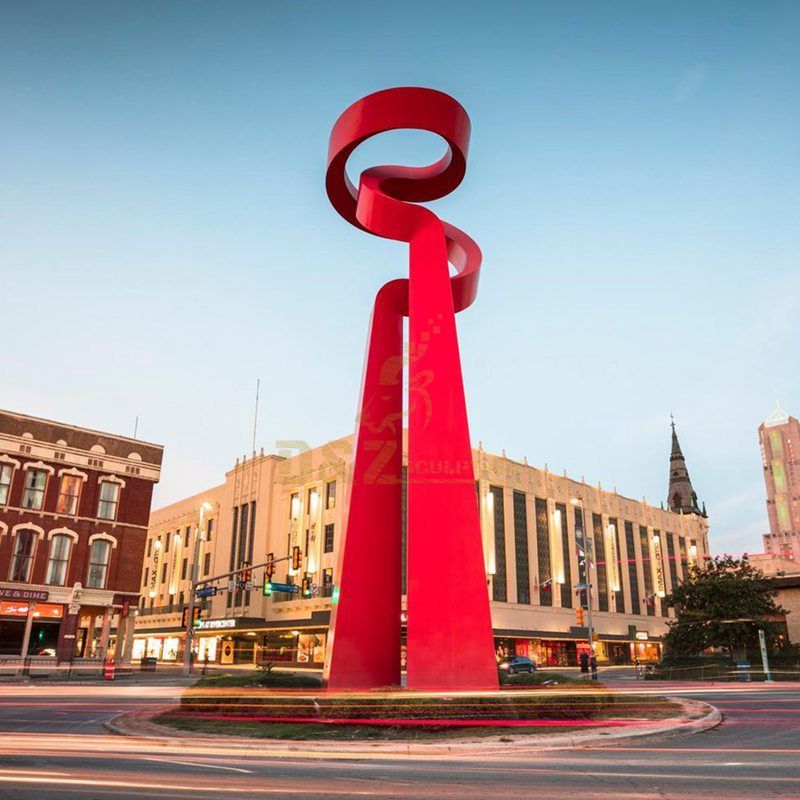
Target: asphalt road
{"x":53,"y":745}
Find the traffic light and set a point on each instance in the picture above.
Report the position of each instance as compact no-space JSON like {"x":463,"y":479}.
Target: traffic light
{"x":247,"y":575}
{"x":579,"y":617}
{"x":267,"y":587}
{"x":185,"y":617}
{"x":296,"y":557}
{"x":305,"y":587}
{"x":269,"y":568}
{"x":197,"y":612}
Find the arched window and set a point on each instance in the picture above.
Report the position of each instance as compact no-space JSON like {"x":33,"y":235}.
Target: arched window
{"x":109,"y":497}
{"x":22,"y":556}
{"x":60,"y":546}
{"x":98,"y":564}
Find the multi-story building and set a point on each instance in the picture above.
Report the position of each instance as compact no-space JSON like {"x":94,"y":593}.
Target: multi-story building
{"x":533,"y":524}
{"x":74,"y":507}
{"x":779,"y":436}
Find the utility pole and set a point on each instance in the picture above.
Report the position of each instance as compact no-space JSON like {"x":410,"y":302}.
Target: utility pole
{"x":587,"y":545}
{"x":198,"y":532}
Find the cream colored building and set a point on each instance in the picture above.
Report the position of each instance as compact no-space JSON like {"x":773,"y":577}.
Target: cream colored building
{"x":532,"y":522}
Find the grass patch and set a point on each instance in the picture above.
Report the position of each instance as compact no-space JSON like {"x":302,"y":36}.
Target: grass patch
{"x":618,"y":708}
{"x":261,"y":679}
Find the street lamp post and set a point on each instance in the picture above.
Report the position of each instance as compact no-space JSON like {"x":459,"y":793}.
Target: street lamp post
{"x":187,"y":653}
{"x":587,"y":545}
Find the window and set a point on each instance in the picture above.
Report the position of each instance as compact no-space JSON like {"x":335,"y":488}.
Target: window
{"x":543,"y":552}
{"x":164,"y":571}
{"x":145,"y":577}
{"x":206,"y":563}
{"x":186,"y":535}
{"x":33,"y":496}
{"x":68,"y":495}
{"x":209,"y":529}
{"x":329,"y":538}
{"x":6,"y":473}
{"x":650,"y":597}
{"x":98,"y":563}
{"x":149,"y":547}
{"x":619,"y":594}
{"x":183,"y":569}
{"x":566,"y":587}
{"x":109,"y":497}
{"x":22,"y":557}
{"x":633,"y":573}
{"x":521,"y":548}
{"x":60,"y":546}
{"x":330,"y":494}
{"x":499,"y":587}
{"x":327,"y":582}
{"x":600,"y":562}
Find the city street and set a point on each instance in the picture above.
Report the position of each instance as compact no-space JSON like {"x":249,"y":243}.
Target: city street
{"x":53,"y":745}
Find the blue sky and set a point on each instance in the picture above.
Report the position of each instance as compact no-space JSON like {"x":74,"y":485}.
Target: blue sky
{"x":634,"y":181}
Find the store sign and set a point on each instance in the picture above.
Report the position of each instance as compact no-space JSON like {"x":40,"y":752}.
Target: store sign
{"x":611,"y":549}
{"x":154,"y":573}
{"x":214,"y":624}
{"x":641,"y":636}
{"x":12,"y":608}
{"x":24,"y":594}
{"x":658,"y":567}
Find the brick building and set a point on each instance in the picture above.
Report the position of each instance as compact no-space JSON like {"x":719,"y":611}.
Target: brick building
{"x":74,"y":506}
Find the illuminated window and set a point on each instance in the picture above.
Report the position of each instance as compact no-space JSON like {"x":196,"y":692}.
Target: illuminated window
{"x":68,"y":494}
{"x":22,"y":557}
{"x":109,"y":497}
{"x":33,"y":496}
{"x":98,"y":564}
{"x":330,"y":494}
{"x":6,"y":473}
{"x":60,"y":546}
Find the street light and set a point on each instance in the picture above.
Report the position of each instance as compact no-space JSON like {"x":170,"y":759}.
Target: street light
{"x":187,"y":654}
{"x":587,"y":545}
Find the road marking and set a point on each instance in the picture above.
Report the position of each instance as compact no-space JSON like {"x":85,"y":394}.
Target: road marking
{"x":191,"y":764}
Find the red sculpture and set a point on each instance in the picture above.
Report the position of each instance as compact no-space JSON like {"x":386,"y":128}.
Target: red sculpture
{"x":449,"y":629}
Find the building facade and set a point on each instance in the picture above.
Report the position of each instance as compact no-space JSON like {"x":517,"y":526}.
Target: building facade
{"x":74,"y":508}
{"x":541,"y":533}
{"x":779,"y":436}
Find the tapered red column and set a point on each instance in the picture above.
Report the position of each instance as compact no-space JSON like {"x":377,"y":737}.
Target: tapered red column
{"x":450,"y":644}
{"x":364,"y":646}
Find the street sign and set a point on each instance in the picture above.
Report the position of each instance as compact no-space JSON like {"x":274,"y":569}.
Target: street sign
{"x":289,"y":588}
{"x":579,"y":586}
{"x":248,"y":586}
{"x":206,"y":591}
{"x":231,"y":586}
{"x":314,"y":589}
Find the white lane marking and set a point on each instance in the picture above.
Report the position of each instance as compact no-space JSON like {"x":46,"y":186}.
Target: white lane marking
{"x":191,"y":764}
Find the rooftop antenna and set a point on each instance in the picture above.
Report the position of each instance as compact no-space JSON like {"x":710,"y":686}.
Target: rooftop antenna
{"x":136,"y":426}
{"x":255,"y":415}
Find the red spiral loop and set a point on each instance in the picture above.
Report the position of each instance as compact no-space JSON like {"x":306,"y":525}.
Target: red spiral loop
{"x":384,"y":203}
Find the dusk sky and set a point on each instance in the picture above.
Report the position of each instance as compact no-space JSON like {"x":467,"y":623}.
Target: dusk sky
{"x":633,"y":182}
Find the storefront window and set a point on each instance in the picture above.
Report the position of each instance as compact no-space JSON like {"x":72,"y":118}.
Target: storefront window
{"x":138,"y":649}
{"x":169,"y":651}
{"x":207,"y":648}
{"x":311,"y":648}
{"x":153,"y":648}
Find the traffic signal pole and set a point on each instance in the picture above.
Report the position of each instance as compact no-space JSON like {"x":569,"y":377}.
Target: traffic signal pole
{"x":196,"y":584}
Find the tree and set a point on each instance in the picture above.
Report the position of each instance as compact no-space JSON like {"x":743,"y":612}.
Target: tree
{"x":722,"y":604}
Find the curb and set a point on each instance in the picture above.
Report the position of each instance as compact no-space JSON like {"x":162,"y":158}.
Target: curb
{"x":139,"y":724}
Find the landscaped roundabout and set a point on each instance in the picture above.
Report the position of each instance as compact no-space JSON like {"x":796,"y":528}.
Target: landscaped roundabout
{"x":243,"y":705}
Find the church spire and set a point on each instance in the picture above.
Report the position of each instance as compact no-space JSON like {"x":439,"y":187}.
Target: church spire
{"x":681,"y":497}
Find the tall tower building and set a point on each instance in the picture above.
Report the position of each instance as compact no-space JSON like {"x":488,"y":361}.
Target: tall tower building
{"x":779,"y":436}
{"x":681,"y":497}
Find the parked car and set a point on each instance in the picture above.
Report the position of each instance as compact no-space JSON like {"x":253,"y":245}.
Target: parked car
{"x":517,"y":664}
